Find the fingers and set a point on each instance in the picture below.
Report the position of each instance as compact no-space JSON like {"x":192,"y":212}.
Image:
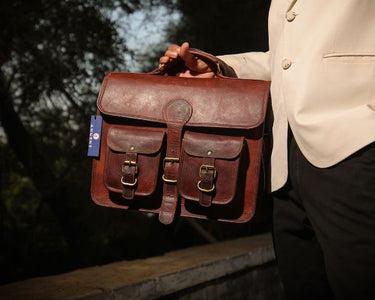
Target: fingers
{"x":173,"y":51}
{"x":190,"y":59}
{"x":193,"y":63}
{"x":164,"y":59}
{"x":191,"y":74}
{"x":171,"y":54}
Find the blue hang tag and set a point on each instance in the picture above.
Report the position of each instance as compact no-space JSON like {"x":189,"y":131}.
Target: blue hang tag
{"x":95,"y":136}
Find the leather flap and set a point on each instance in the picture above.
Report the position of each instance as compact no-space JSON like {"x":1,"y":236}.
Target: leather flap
{"x":215,"y":102}
{"x":215,"y":146}
{"x":135,"y":140}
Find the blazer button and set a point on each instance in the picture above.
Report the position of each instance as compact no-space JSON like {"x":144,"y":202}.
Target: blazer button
{"x":286,"y":63}
{"x":290,"y":16}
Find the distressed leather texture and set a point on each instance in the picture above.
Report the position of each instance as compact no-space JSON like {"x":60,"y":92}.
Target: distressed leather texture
{"x":180,"y":146}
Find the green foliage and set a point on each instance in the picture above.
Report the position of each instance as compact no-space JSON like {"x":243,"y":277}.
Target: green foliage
{"x":57,"y":49}
{"x":53,"y":57}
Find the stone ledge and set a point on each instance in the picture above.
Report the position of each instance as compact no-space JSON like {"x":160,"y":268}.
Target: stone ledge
{"x":149,"y":278}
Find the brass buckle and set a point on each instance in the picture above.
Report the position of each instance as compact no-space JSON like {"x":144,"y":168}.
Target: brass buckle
{"x":130,"y":163}
{"x":206,"y":168}
{"x":205,"y":190}
{"x":168,"y":180}
{"x":169,"y":159}
{"x":127,"y":183}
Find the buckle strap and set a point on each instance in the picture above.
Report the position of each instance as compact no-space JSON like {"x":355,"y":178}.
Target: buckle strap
{"x":206,"y":184}
{"x":176,"y":114}
{"x":129,"y":175}
{"x":171,"y":166}
{"x":165,"y":176}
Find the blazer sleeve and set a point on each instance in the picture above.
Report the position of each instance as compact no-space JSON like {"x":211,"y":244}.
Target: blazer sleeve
{"x":250,"y":65}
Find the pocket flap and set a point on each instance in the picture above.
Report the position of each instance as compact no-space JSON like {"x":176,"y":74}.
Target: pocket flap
{"x":216,"y":146}
{"x":135,"y":140}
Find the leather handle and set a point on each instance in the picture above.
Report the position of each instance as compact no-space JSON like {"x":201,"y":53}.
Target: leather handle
{"x":219,"y":67}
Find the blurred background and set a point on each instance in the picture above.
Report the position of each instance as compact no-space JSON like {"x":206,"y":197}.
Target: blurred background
{"x":53,"y":57}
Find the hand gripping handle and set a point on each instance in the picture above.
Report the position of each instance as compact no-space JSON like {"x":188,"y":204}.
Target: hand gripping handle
{"x":219,"y":67}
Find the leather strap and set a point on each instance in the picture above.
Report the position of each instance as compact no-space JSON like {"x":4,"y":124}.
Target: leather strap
{"x":219,"y":67}
{"x":129,"y":175}
{"x":206,"y":184}
{"x":176,"y":114}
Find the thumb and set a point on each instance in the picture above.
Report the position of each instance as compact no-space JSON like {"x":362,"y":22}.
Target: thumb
{"x":192,"y":62}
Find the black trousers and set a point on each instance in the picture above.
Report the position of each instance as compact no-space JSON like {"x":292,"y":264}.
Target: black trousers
{"x":324,"y":228}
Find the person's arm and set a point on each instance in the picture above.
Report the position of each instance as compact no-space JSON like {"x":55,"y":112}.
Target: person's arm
{"x":250,"y":65}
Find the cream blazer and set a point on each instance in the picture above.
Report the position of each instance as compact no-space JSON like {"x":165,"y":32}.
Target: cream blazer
{"x":322,"y":66}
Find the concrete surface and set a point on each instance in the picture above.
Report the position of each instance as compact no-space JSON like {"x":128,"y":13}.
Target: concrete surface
{"x":151,"y":278}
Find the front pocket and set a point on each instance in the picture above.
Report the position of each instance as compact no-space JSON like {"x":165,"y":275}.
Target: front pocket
{"x":209,"y":167}
{"x":350,"y":57}
{"x":133,"y":160}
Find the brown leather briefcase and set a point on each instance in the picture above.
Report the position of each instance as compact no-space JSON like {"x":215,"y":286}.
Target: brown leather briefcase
{"x":180,"y":146}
